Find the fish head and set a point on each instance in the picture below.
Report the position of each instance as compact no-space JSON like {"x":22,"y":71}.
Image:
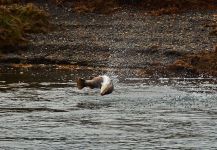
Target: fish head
{"x":106,"y":88}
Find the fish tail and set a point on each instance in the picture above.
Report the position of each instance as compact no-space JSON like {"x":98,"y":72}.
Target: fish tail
{"x":80,"y":83}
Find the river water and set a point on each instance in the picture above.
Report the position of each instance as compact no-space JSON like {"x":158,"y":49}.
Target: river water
{"x":48,"y":112}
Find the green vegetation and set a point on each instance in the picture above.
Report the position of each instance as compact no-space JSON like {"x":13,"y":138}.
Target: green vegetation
{"x":17,"y":20}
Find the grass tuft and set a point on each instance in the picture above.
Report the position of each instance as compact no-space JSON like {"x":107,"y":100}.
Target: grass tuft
{"x":17,"y":20}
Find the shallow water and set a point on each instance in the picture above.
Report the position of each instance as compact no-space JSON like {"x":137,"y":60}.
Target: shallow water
{"x":142,"y":113}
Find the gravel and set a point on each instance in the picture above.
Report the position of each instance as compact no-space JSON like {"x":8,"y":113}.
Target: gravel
{"x":127,"y":38}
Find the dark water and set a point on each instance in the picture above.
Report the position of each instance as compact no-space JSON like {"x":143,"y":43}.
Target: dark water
{"x":49,"y":112}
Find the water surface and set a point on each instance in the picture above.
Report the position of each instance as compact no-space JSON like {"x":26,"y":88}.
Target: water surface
{"x":142,"y":113}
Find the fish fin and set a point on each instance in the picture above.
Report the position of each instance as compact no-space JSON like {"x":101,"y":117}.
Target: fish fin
{"x":80,"y":83}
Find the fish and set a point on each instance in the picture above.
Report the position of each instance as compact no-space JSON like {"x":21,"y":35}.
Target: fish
{"x":104,"y":83}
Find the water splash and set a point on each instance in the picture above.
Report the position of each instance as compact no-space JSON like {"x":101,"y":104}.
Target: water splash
{"x":118,"y":64}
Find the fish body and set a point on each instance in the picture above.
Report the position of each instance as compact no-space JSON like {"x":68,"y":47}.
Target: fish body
{"x":103,"y":82}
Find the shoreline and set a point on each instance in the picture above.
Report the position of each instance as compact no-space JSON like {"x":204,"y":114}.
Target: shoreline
{"x":127,"y":39}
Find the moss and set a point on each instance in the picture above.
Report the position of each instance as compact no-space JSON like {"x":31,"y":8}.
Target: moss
{"x":202,"y":63}
{"x":33,"y":18}
{"x":214,"y":27}
{"x":96,"y":6}
{"x":10,"y":31}
{"x":181,"y":66}
{"x":165,"y":11}
{"x":206,"y":61}
{"x":17,"y":20}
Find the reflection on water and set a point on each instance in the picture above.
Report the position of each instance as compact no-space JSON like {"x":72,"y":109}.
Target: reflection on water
{"x":140,"y":114}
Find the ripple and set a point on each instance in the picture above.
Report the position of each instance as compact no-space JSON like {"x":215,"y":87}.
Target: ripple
{"x":32,"y":139}
{"x":25,"y":110}
{"x":92,"y":105}
{"x":140,"y":113}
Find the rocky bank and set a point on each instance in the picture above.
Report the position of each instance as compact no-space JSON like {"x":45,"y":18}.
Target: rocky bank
{"x":128,"y":39}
